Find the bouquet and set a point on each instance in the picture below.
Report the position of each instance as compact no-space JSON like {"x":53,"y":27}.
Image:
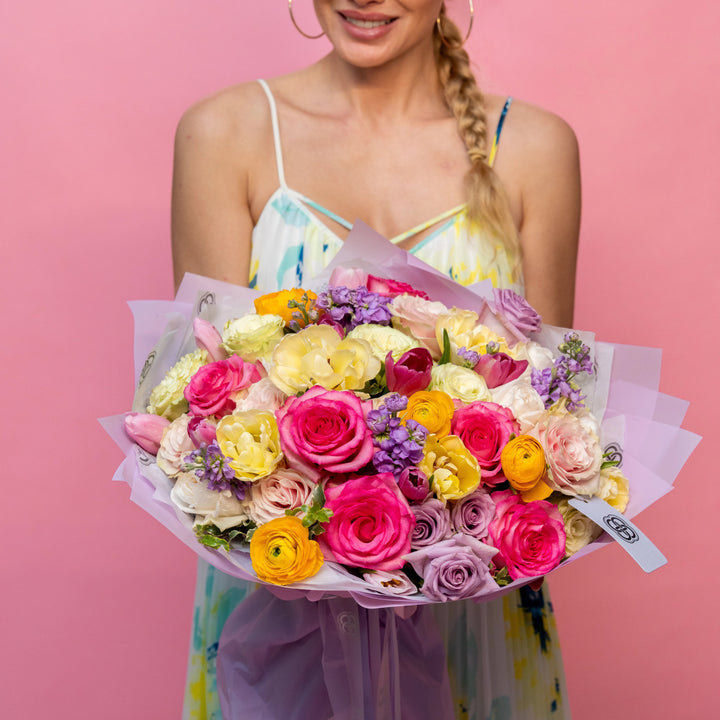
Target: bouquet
{"x":401,"y":441}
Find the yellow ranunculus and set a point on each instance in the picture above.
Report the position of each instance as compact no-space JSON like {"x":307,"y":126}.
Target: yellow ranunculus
{"x":167,"y":399}
{"x":253,"y":337}
{"x":282,"y":553}
{"x":318,"y":356}
{"x":523,"y":462}
{"x":452,"y":469}
{"x":433,"y":409}
{"x":277,"y":303}
{"x":614,"y":488}
{"x":252,"y":443}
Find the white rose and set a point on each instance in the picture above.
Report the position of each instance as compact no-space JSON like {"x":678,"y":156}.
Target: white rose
{"x":174,"y":446}
{"x":537,"y":355}
{"x":253,"y":337}
{"x":459,"y":383}
{"x":522,"y":398}
{"x":219,"y":507}
{"x":383,"y":339}
{"x":283,"y":490}
{"x":390,"y":583}
{"x":580,"y":530}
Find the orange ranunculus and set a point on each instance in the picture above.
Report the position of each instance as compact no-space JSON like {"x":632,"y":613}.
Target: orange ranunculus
{"x":277,"y":304}
{"x":282,"y":553}
{"x":523,"y":462}
{"x":433,"y":409}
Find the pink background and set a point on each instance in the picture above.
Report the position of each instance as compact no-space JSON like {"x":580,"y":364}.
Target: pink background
{"x":97,"y":597}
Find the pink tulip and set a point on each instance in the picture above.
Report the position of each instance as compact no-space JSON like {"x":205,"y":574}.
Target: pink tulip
{"x":209,"y":339}
{"x":499,"y":368}
{"x":348,"y":277}
{"x":201,"y":431}
{"x":146,"y":430}
{"x":411,"y":373}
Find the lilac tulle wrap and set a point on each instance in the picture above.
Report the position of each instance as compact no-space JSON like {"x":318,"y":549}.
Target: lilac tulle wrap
{"x":333,"y":642}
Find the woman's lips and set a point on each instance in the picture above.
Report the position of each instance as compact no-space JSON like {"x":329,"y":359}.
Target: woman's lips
{"x":366,"y":26}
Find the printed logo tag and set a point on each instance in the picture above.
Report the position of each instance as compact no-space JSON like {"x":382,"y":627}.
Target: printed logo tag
{"x":628,"y":536}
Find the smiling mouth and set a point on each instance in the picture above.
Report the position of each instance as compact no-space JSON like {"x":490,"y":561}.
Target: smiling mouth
{"x":367,"y":24}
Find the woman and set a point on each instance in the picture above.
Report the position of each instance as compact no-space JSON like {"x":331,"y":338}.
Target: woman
{"x":391,"y":128}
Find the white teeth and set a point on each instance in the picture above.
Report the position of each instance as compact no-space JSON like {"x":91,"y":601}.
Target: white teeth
{"x":367,"y":23}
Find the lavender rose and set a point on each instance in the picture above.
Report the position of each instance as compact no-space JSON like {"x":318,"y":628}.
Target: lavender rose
{"x":472,"y":514}
{"x":516,"y":309}
{"x":432,"y":524}
{"x":454,"y":569}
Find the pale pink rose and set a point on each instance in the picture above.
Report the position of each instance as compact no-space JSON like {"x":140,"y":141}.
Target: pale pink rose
{"x":209,"y":339}
{"x":371,"y":523}
{"x":175,"y":446}
{"x":348,"y":277}
{"x":212,"y":389}
{"x":324,"y":431}
{"x":523,"y":400}
{"x":417,"y":317}
{"x":530,"y":537}
{"x":573,"y":453}
{"x":146,"y":429}
{"x":262,"y":395}
{"x":282,"y":490}
{"x":485,"y":428}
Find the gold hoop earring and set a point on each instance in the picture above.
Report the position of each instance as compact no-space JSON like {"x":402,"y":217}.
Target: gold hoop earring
{"x":297,"y":27}
{"x":467,"y":34}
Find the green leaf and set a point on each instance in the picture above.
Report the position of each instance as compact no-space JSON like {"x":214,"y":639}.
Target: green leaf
{"x":609,"y":464}
{"x":445,"y":357}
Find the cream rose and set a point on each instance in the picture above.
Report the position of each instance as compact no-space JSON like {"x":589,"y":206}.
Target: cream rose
{"x":418,"y":317}
{"x":219,"y":507}
{"x":383,"y":339}
{"x":282,"y":490}
{"x":251,"y":442}
{"x":318,"y":356}
{"x":459,"y":383}
{"x":580,"y":530}
{"x":614,"y":488}
{"x":538,"y":356}
{"x":174,"y":446}
{"x":167,"y":399}
{"x":522,"y":398}
{"x":253,"y":337}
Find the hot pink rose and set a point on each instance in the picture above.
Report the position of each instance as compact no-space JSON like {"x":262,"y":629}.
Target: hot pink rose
{"x":324,"y":431}
{"x":212,"y":388}
{"x":392,"y":288}
{"x":485,"y":428}
{"x":573,"y":453}
{"x":371,"y":524}
{"x":530,"y":537}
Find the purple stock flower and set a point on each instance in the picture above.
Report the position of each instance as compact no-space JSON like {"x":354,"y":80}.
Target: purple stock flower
{"x":516,"y":309}
{"x":470,"y":357}
{"x":432,"y":524}
{"x":350,"y":308}
{"x":209,"y":464}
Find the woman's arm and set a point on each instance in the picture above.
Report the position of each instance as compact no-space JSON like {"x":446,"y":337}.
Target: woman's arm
{"x":211,"y":220}
{"x":543,"y":158}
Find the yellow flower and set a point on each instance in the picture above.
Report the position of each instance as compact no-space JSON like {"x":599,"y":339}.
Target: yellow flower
{"x":167,"y":399}
{"x":523,"y":462}
{"x":433,"y":409}
{"x":580,"y":530}
{"x":614,"y":488}
{"x":383,"y":339}
{"x":464,"y":330}
{"x":281,"y":552}
{"x":459,"y":382}
{"x":253,"y":337}
{"x":277,"y":303}
{"x":453,"y":471}
{"x":318,"y":356}
{"x":252,"y":443}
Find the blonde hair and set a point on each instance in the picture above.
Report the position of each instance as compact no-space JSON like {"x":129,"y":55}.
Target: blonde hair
{"x":487,"y":201}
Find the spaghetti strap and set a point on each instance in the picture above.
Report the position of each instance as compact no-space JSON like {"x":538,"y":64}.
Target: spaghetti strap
{"x":276,"y":134}
{"x":498,"y":130}
{"x":428,"y":223}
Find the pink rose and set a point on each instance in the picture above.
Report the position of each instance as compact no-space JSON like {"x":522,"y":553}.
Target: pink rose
{"x":392,"y":288}
{"x":283,"y":490}
{"x":209,"y":339}
{"x":411,"y":373}
{"x":418,"y":317}
{"x":485,"y":428}
{"x":146,"y":430}
{"x":573,"y":453}
{"x":324,"y":431}
{"x":262,"y":395}
{"x":371,"y":523}
{"x":212,"y":388}
{"x":530,"y":537}
{"x":176,"y":445}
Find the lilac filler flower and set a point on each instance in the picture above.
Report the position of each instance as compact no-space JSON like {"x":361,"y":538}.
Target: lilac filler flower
{"x":454,"y":569}
{"x":209,"y":464}
{"x":432,"y":524}
{"x":351,"y":308}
